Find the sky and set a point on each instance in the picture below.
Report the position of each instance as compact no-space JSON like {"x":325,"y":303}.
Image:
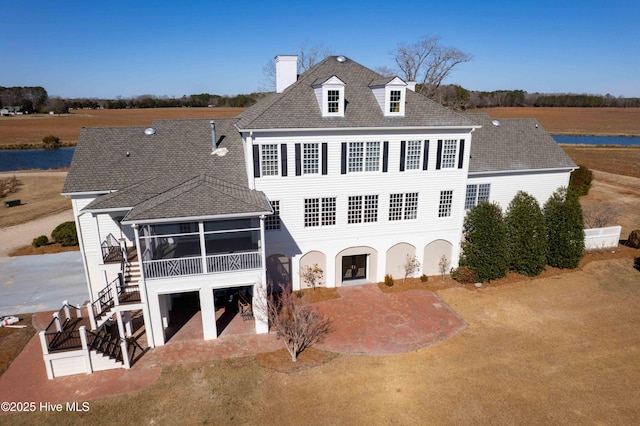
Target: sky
{"x":110,"y":49}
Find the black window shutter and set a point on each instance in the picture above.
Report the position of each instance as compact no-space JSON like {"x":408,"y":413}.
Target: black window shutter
{"x":298,"y":160}
{"x":403,"y":149}
{"x":385,"y":156}
{"x":343,"y":159}
{"x":425,"y":156}
{"x":283,"y":152}
{"x":439,"y":154}
{"x":256,"y":161}
{"x":325,"y":149}
{"x":461,"y":154}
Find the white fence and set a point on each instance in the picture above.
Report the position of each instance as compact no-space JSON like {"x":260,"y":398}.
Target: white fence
{"x":601,"y":238}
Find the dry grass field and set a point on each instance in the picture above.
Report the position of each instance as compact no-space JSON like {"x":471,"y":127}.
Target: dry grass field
{"x":30,"y":129}
{"x":576,"y":121}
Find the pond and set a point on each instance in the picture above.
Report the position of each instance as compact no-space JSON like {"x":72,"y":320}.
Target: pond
{"x":25,"y":159}
{"x":598,"y":140}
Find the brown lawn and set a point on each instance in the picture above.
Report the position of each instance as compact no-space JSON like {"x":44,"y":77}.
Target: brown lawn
{"x":576,"y":121}
{"x":30,"y":129}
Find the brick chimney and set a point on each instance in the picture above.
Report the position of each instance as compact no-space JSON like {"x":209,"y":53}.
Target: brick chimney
{"x":286,"y":71}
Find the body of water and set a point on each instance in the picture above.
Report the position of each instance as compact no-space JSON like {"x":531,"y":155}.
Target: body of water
{"x":598,"y":140}
{"x":25,"y":159}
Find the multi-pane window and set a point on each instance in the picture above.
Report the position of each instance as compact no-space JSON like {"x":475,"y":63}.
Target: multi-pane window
{"x":449,"y":151}
{"x":310,"y":158}
{"x":273,"y":221}
{"x":333,"y":101}
{"x":446,"y":200}
{"x":394,"y":101}
{"x":403,"y":206}
{"x":319,"y":211}
{"x":328,"y":216}
{"x":414,"y":151}
{"x":269,"y":160}
{"x":363,"y":156}
{"x":362,"y":209}
{"x":476,"y":194}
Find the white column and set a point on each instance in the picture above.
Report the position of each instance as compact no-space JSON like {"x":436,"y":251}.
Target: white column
{"x":203,"y":247}
{"x":260,"y":288}
{"x":208,"y":312}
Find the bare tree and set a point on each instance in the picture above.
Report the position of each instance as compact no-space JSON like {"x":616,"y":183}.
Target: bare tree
{"x":296,"y":322}
{"x":312,"y":275}
{"x":428,"y":62}
{"x":411,"y":265}
{"x":600,"y":215}
{"x":307,"y":57}
{"x":385,"y":71}
{"x":444,"y":266}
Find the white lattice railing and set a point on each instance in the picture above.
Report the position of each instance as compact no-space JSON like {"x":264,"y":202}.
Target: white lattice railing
{"x":193,"y":265}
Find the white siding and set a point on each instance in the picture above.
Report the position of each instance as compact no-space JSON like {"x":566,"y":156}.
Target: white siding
{"x":539,"y":185}
{"x":294,"y":239}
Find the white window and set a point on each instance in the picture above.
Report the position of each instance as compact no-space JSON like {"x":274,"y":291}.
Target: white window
{"x":273,"y":221}
{"x":476,"y":194}
{"x":395,"y":96}
{"x":446,"y":200}
{"x":449,"y":151}
{"x":362,"y":209}
{"x":363,"y":156}
{"x":319,"y":211}
{"x":413,"y":155}
{"x":333,"y":101}
{"x":269,"y":160}
{"x":403,"y":206}
{"x":310,"y":158}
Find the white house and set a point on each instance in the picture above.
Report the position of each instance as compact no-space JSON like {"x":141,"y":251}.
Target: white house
{"x":341,"y":167}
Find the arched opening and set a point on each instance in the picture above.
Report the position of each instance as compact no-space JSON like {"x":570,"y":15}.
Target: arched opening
{"x":278,"y":272}
{"x":433,"y":254}
{"x":356,"y":265}
{"x":309,"y":260}
{"x":396,"y":259}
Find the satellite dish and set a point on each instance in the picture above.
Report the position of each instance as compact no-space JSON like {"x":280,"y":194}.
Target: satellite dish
{"x":149,"y":131}
{"x":495,"y":123}
{"x":341,"y":58}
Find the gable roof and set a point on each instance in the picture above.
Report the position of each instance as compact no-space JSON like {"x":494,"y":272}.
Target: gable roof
{"x":169,"y":174}
{"x":516,"y":144}
{"x":297,"y":106}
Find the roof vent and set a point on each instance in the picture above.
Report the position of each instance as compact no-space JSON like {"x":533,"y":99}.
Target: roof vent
{"x":149,"y":131}
{"x":341,"y":58}
{"x":495,"y":123}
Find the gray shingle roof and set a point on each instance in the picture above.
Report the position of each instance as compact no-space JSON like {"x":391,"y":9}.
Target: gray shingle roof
{"x":516,"y":144}
{"x":169,"y":174}
{"x":297,"y":107}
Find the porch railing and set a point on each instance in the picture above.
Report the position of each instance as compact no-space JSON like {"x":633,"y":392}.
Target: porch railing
{"x":234,"y":262}
{"x":216,"y":263}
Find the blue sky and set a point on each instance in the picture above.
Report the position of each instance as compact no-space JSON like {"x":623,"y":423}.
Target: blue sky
{"x":128,"y":48}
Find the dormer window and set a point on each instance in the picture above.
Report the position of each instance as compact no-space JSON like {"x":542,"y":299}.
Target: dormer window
{"x":394,"y":100}
{"x":390,"y":94}
{"x":330,"y":95}
{"x":333,"y":101}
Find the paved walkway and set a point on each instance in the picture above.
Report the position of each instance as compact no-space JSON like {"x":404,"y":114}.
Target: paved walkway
{"x":365,"y":321}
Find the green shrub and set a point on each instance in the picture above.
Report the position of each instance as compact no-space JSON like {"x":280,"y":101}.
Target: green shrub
{"x":484,"y":248}
{"x":526,"y":235}
{"x":40,"y":241}
{"x":424,"y":278}
{"x":580,"y":180}
{"x":388,"y":280}
{"x":65,"y":234}
{"x":464,"y":275}
{"x":565,"y":235}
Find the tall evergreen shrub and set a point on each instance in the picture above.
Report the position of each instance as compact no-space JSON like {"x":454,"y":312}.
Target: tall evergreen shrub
{"x":565,"y":236}
{"x":484,"y":248}
{"x":526,"y":235}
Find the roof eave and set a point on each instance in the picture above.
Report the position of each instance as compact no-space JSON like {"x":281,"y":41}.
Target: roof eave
{"x":351,"y":129}
{"x":195,"y":218}
{"x":522,"y":171}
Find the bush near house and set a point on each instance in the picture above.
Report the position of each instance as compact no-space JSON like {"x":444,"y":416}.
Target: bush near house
{"x":526,"y":235}
{"x":40,"y":241}
{"x":565,"y":236}
{"x":484,"y":248}
{"x":65,"y":234}
{"x":580,"y":180}
{"x":464,"y":275}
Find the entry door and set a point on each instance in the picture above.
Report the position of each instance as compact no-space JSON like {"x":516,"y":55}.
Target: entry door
{"x":354,"y":267}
